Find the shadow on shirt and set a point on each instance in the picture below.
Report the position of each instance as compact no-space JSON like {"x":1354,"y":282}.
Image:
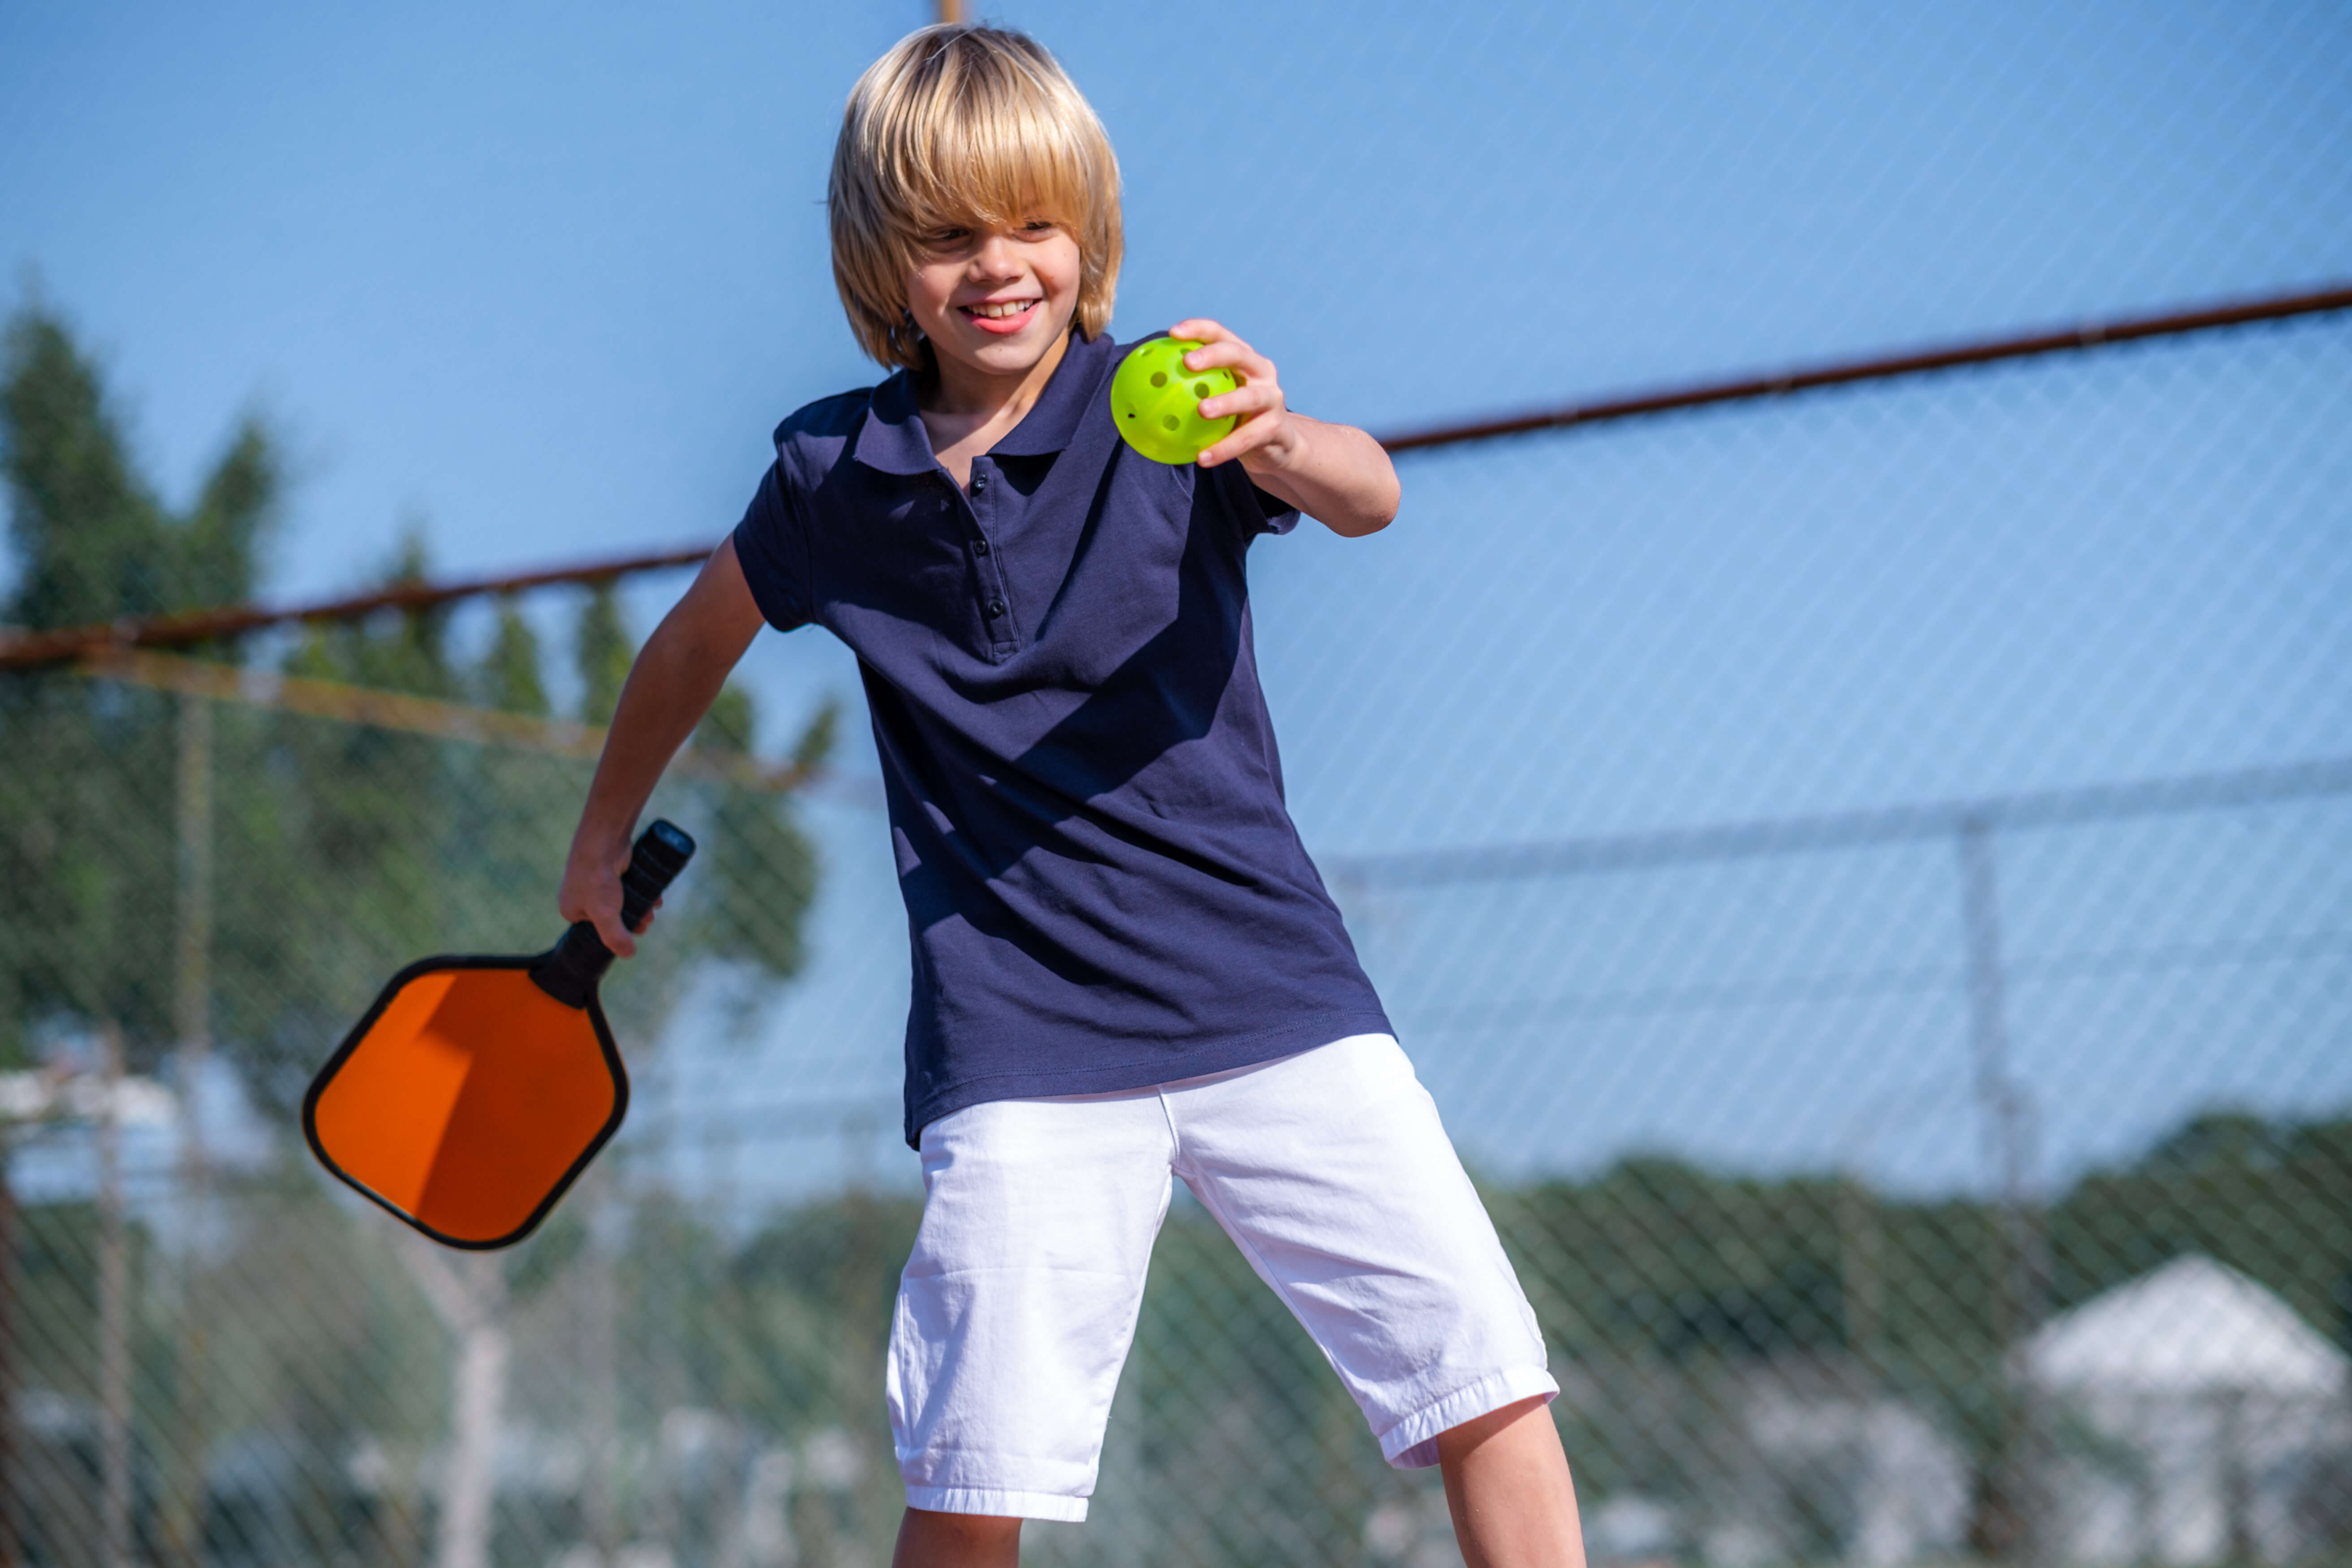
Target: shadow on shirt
{"x":1167,"y":693}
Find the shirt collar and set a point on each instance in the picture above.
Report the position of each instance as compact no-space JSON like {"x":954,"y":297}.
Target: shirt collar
{"x":893,"y":440}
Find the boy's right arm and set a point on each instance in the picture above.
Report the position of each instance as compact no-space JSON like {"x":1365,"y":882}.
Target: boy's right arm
{"x":670,"y":686}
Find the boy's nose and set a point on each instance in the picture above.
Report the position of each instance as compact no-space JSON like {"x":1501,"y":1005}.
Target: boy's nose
{"x":995,"y":258}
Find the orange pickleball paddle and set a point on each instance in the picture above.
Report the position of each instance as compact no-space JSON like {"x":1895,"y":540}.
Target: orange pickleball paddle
{"x":475,"y":1090}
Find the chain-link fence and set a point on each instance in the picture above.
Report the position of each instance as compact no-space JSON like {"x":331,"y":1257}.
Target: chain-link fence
{"x":1957,"y":1174}
{"x":1867,"y":877}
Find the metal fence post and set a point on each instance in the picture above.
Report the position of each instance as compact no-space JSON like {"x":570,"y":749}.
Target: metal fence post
{"x":113,"y":1311}
{"x":2006,"y":1528}
{"x":182,"y":1521}
{"x":11,"y":1488}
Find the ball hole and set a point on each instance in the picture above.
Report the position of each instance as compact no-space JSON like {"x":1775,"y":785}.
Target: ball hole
{"x":1158,"y":378}
{"x":1170,"y":421}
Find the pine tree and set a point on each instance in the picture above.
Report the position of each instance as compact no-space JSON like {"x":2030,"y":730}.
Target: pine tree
{"x":343,"y":849}
{"x":601,"y":653}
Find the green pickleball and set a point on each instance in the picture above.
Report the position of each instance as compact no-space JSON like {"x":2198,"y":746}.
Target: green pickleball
{"x":1156,"y":402}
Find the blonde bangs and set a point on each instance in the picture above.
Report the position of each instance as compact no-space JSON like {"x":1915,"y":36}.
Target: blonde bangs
{"x":960,"y":127}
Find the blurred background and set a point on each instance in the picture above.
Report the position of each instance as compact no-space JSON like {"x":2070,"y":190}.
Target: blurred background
{"x":1865,"y":871}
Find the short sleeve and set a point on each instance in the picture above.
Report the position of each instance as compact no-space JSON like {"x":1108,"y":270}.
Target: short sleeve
{"x":1259,"y":512}
{"x":771,"y":544}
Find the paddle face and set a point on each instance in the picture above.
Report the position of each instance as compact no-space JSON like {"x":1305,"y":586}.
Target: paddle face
{"x":468,"y":1099}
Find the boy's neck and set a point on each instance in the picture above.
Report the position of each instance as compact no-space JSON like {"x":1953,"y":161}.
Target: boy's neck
{"x":967,"y":408}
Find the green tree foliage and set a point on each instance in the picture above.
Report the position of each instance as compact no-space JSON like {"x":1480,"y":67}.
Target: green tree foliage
{"x":1659,"y":1279}
{"x":1659,"y":1254}
{"x":510,"y":676}
{"x":343,"y":850}
{"x":1665,"y":1291}
{"x":601,"y":651}
{"x":86,"y":796}
{"x":91,"y":539}
{"x":794,"y":1327}
{"x":2271,"y":1198}
{"x":762,"y":869}
{"x":340,"y":851}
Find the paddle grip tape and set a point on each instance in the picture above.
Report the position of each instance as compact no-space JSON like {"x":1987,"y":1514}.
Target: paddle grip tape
{"x":570,"y":970}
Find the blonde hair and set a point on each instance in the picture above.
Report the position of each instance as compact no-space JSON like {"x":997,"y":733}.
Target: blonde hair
{"x":962,"y":126}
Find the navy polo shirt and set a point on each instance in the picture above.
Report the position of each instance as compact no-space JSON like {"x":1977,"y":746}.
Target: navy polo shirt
{"x":1103,"y":885}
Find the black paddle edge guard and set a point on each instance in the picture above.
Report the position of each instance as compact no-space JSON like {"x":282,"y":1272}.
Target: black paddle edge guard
{"x":350,"y":1042}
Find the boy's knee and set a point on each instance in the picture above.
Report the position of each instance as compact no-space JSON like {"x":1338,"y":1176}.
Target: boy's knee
{"x":932,"y":1539}
{"x":1455,"y":1443}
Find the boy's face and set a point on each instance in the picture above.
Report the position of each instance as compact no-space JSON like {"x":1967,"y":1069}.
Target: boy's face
{"x":995,"y":301}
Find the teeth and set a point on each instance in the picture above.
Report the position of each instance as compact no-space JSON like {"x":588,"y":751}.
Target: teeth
{"x":998,"y":312}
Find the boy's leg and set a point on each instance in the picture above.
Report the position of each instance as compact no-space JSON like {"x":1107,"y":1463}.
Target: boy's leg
{"x":928,"y":1540}
{"x":1331,"y":1172}
{"x":1015,"y":1312}
{"x":1507,"y":1484}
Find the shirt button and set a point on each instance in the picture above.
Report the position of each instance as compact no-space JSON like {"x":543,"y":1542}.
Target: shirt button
{"x":979,"y":483}
{"x":995,"y":608}
{"x":980,"y":547}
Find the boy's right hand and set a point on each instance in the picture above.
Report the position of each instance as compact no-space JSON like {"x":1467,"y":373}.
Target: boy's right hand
{"x":592,"y":891}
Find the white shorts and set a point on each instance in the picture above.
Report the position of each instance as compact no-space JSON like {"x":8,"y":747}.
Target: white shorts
{"x":1328,"y":1169}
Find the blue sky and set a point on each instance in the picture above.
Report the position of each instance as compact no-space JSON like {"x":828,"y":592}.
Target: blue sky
{"x":546,"y":274}
{"x":538,"y":279}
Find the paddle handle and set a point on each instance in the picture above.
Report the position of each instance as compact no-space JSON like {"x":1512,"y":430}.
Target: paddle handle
{"x":660,"y":853}
{"x":570,"y":970}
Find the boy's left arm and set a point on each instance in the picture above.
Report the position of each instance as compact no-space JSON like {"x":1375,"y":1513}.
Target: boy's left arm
{"x":1336,"y":474}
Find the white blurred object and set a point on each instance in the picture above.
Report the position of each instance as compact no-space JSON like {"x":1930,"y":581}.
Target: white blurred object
{"x":831,"y":1460}
{"x":2210,"y":1407}
{"x":767,"y":1503}
{"x":51,"y":1095}
{"x":1629,"y":1528}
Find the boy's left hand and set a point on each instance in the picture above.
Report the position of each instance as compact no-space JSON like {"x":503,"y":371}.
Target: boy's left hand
{"x":1267,"y":438}
{"x":1334,"y":473}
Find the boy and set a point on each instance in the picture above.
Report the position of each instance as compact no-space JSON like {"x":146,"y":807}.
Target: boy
{"x":1126,"y":969}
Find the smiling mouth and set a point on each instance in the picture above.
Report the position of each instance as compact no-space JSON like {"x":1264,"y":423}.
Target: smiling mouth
{"x":1002,"y":316}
